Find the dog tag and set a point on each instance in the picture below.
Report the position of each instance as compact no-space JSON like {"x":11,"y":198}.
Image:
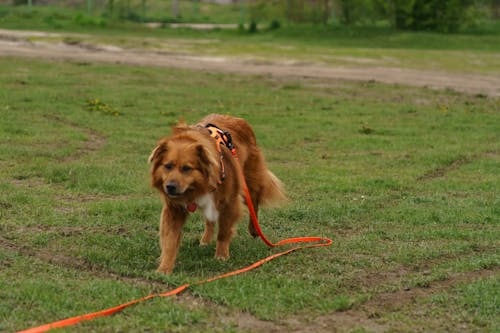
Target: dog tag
{"x":191,"y":207}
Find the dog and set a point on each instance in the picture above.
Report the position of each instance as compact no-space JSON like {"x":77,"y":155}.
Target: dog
{"x":194,"y":168}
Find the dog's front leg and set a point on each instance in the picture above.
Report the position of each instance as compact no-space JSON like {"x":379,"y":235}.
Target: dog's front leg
{"x":227,"y":222}
{"x":171,"y":222}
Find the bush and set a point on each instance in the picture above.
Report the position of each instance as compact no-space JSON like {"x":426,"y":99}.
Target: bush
{"x":87,"y":21}
{"x":275,"y":24}
{"x":253,"y":27}
{"x":433,"y":15}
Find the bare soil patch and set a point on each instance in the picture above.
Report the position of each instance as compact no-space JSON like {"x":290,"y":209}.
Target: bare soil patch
{"x":367,"y":315}
{"x":453,"y":165}
{"x":16,"y":44}
{"x":93,"y":143}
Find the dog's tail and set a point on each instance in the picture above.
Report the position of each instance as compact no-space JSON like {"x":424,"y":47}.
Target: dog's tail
{"x":273,"y":193}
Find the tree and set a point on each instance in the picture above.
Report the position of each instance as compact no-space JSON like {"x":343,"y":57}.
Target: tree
{"x":175,"y":9}
{"x":326,"y":11}
{"x":346,"y":8}
{"x":433,"y":15}
{"x":495,"y":8}
{"x":360,"y":11}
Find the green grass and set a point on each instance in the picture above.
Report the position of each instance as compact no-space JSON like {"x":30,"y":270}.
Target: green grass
{"x":405,"y":181}
{"x":466,"y":305}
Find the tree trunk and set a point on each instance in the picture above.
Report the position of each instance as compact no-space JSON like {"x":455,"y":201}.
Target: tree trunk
{"x":326,"y":11}
{"x":175,"y":8}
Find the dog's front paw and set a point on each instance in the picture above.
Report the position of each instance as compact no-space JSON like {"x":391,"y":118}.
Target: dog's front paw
{"x":206,"y":239}
{"x":222,"y":257}
{"x":164,"y":270}
{"x":222,"y":253}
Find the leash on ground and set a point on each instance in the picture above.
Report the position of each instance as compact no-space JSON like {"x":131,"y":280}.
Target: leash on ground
{"x":178,"y":290}
{"x":316,"y":242}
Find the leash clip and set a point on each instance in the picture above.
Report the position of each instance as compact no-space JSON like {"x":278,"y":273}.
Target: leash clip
{"x":222,"y":137}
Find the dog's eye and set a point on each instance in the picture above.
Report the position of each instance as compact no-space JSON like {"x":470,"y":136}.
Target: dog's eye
{"x":169,"y":166}
{"x":186,"y":168}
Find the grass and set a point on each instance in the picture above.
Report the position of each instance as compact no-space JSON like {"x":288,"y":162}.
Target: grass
{"x":474,"y":304}
{"x":405,"y":180}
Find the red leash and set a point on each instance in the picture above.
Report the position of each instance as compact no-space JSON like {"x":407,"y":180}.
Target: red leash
{"x":317,"y":242}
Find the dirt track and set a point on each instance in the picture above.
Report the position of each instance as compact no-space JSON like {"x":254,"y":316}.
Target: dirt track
{"x":15,"y":43}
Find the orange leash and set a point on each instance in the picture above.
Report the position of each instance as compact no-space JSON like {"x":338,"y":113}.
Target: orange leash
{"x":255,"y":221}
{"x":317,"y":242}
{"x":110,"y":311}
{"x":106,"y":312}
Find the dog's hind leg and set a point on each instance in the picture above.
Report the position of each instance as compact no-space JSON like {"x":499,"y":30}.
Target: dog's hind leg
{"x":251,"y":228}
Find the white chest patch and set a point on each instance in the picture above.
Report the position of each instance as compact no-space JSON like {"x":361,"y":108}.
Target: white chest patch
{"x":207,"y":206}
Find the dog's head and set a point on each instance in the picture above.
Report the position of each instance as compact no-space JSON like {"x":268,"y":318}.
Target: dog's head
{"x":185,"y":165}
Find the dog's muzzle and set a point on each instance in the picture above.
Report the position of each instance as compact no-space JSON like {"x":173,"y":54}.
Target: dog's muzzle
{"x":172,"y":189}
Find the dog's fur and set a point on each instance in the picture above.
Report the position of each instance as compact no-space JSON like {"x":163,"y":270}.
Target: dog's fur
{"x":186,"y":170}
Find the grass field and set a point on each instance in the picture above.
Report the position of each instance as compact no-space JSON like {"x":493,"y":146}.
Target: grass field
{"x":405,"y":180}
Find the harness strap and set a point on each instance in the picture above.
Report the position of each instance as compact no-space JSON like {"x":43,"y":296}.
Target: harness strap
{"x":222,"y":138}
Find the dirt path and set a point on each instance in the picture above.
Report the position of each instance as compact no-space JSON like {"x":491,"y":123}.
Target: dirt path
{"x":16,"y":44}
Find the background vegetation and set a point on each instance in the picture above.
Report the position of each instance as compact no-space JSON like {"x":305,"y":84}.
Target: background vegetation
{"x":427,"y":15}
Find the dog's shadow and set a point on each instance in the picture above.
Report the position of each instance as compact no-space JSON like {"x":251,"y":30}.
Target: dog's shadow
{"x":198,"y":261}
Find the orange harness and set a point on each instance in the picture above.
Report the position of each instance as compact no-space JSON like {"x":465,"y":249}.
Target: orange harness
{"x":222,"y":138}
{"x":316,"y":242}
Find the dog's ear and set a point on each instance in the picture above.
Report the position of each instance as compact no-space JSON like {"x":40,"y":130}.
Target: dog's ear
{"x":180,"y":127}
{"x":157,"y":152}
{"x":181,"y":122}
{"x":209,"y":163}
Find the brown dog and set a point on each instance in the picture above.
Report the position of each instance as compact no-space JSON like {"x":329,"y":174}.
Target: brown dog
{"x":190,"y":170}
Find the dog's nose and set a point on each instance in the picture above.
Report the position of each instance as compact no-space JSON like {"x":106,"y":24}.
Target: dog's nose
{"x":171,"y":188}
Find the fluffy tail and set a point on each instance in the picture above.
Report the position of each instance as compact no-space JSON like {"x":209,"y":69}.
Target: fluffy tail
{"x":273,"y":193}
